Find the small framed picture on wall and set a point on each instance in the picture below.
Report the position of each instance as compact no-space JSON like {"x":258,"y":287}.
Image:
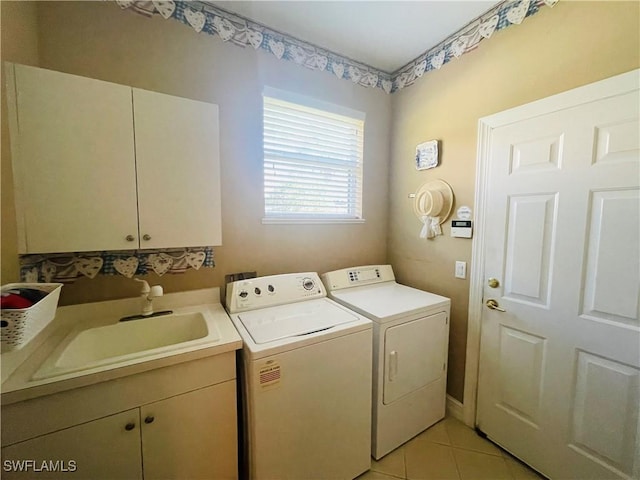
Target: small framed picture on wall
{"x":427,"y":155}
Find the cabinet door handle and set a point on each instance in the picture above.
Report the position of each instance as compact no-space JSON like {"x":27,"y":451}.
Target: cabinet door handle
{"x":129,"y":426}
{"x":149,"y":419}
{"x":130,"y":238}
{"x":146,"y":237}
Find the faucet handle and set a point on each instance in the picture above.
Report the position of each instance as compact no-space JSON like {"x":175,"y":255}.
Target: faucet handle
{"x":145,"y":286}
{"x":156,"y":291}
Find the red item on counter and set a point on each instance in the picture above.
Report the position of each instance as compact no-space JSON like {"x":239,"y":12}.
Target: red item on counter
{"x":13,"y":301}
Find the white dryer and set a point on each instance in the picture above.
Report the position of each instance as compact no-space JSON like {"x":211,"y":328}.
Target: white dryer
{"x":305,"y":379}
{"x":410,"y":344}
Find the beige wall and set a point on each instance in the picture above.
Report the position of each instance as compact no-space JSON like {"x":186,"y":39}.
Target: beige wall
{"x":570,"y":45}
{"x":573,"y":44}
{"x":97,"y":39}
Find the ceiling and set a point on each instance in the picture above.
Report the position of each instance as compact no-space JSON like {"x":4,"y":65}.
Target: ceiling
{"x":383,"y":34}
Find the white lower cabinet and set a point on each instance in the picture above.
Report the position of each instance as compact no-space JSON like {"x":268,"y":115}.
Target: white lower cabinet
{"x":101,"y":449}
{"x":191,"y":435}
{"x":170,"y":434}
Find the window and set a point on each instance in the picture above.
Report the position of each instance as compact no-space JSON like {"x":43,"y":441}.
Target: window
{"x":312,"y":160}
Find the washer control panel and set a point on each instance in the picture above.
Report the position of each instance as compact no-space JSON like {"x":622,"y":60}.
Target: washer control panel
{"x":356,"y":276}
{"x":262,"y":292}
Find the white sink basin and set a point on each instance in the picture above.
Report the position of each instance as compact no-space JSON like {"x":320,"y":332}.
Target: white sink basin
{"x":134,"y":336}
{"x":125,"y":341}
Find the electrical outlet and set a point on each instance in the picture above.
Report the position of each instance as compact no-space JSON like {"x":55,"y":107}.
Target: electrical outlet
{"x":461,"y":270}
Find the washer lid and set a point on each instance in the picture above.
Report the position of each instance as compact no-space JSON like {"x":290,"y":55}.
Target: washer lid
{"x":388,"y":301}
{"x":295,"y":319}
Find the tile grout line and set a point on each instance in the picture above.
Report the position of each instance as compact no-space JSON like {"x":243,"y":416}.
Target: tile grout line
{"x":512,"y":475}
{"x":455,"y":461}
{"x":404,"y":458}
{"x":499,"y":455}
{"x":453,"y":454}
{"x":452,"y":448}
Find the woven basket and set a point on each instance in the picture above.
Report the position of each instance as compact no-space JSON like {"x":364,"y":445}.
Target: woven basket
{"x":18,"y":326}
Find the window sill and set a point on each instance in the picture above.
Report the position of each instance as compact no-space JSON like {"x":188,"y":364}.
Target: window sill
{"x":309,"y":221}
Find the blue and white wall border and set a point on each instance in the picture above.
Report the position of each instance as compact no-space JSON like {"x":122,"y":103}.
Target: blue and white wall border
{"x":207,"y":18}
{"x":503,"y":15}
{"x":67,"y":267}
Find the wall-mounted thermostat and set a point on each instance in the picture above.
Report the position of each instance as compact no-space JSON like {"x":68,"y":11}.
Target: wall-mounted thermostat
{"x":461,"y":228}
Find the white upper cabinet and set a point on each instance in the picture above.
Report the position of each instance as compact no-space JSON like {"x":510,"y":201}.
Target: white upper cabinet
{"x":177,"y":158}
{"x":73,"y":162}
{"x":101,"y":166}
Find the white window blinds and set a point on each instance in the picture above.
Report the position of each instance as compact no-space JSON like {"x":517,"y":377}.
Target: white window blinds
{"x":312,"y":162}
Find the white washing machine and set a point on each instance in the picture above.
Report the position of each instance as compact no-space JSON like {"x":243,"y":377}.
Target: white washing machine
{"x":410,"y":344}
{"x":305,"y":378}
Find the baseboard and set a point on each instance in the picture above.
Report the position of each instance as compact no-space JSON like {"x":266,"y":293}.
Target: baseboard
{"x":454,"y":408}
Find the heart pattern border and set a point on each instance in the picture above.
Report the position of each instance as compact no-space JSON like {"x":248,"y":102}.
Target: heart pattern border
{"x":234,"y":28}
{"x":68,"y":267}
{"x":518,"y":13}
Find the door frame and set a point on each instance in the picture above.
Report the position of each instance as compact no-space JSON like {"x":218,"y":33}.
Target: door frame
{"x":610,"y":87}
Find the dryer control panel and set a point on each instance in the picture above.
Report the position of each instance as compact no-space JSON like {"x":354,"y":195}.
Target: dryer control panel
{"x":356,"y":276}
{"x":262,"y":292}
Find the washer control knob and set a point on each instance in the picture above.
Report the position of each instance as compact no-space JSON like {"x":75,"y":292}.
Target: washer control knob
{"x":257,"y":291}
{"x":271,"y":288}
{"x":243,"y":294}
{"x":308,"y":284}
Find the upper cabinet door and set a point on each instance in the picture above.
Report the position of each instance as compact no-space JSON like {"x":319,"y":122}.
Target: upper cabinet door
{"x":73,"y":161}
{"x":178,"y":168}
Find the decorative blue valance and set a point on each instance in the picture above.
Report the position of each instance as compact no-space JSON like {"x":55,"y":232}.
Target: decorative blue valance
{"x":207,"y":18}
{"x":67,"y":267}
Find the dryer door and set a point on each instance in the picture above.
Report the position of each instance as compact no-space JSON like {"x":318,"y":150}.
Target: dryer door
{"x":414,"y":355}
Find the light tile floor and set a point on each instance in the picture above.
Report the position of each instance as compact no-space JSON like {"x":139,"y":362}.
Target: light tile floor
{"x":449,"y":450}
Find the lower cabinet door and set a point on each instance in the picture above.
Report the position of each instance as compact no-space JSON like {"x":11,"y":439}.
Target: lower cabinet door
{"x":193,"y":435}
{"x":107,"y":448}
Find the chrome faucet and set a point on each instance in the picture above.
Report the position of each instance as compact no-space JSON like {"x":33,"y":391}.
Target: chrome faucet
{"x":147,"y":294}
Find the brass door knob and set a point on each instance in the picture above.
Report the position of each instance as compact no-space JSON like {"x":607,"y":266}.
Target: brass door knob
{"x":493,"y":282}
{"x":146,"y":237}
{"x":493,"y":305}
{"x":130,"y":238}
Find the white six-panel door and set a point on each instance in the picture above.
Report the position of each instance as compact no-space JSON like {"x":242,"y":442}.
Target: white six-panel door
{"x":559,"y":376}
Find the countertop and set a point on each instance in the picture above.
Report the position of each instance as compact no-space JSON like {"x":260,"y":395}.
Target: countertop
{"x":19,"y":366}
